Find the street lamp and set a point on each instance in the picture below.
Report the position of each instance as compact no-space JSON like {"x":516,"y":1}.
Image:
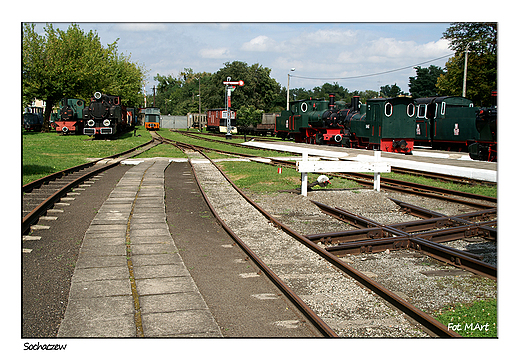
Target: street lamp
{"x":466,"y":66}
{"x":288,"y":78}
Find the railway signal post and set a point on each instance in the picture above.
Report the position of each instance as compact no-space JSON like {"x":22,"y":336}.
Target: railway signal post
{"x":230,"y":86}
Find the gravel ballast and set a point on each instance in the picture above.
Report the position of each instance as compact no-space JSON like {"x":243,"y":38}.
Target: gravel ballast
{"x":348,"y":308}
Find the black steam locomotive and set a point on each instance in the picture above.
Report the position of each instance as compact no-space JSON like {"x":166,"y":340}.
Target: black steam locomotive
{"x":105,"y":115}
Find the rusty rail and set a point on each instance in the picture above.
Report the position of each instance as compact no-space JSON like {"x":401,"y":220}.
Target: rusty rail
{"x":402,"y":240}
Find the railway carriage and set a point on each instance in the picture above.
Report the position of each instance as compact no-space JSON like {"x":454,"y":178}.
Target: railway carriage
{"x":217,"y":121}
{"x":71,"y":116}
{"x":383,"y":124}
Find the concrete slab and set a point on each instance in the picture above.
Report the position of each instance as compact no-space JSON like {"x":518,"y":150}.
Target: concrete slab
{"x":167,"y":270}
{"x":99,"y":317}
{"x":156,"y":259}
{"x":100,"y":299}
{"x":100,"y":288}
{"x":100,"y":273}
{"x":150,"y":286}
{"x":100,"y":261}
{"x":180,"y":324}
{"x":171,"y":302}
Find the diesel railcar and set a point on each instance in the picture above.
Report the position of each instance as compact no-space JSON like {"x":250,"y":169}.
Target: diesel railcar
{"x":385,"y":124}
{"x":217,"y":121}
{"x":70,"y":119}
{"x":152,"y":117}
{"x":105,"y":115}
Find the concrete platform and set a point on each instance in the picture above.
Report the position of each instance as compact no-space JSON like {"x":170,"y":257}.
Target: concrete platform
{"x":129,"y":279}
{"x":450,"y":163}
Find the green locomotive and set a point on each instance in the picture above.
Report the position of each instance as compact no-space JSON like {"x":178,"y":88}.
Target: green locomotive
{"x":385,"y":124}
{"x":453,"y":123}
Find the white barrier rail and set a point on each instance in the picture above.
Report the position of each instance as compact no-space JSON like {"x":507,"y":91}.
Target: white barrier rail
{"x":305,"y":166}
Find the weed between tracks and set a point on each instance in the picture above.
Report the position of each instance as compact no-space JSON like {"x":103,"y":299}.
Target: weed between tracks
{"x":474,"y":320}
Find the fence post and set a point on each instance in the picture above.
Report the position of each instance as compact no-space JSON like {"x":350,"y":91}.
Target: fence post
{"x":305,"y":157}
{"x":377,"y":175}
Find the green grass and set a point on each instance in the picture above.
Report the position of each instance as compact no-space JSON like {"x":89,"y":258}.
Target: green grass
{"x":223,"y":147}
{"x":264,"y":178}
{"x":490,"y":191}
{"x":474,"y":320}
{"x":47,"y":153}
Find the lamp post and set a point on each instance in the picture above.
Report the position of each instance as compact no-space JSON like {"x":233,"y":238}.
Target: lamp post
{"x":465,"y":71}
{"x":288,"y":78}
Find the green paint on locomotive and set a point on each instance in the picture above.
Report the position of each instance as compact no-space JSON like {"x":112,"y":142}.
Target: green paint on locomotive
{"x":447,"y":119}
{"x":374,"y":126}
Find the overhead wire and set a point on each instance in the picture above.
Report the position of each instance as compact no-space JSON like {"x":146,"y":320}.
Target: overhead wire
{"x":367,"y":75}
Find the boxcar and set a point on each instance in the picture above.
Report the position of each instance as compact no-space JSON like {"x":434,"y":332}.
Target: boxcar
{"x":217,"y":121}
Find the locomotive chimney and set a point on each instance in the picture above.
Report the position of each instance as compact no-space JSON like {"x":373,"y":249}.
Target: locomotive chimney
{"x":331,"y":101}
{"x":355,"y":103}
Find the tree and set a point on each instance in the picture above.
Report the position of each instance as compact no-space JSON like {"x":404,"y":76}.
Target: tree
{"x":388,"y":91}
{"x":480,"y":42}
{"x":259,"y":91}
{"x":247,"y":116}
{"x":72,"y":64}
{"x":179,"y":95}
{"x":424,"y":84}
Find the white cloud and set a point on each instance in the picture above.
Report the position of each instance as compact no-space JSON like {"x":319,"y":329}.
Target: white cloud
{"x":328,"y":36}
{"x":260,"y":43}
{"x":218,"y":53}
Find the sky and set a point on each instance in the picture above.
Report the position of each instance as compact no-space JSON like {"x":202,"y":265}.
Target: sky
{"x":346,"y":53}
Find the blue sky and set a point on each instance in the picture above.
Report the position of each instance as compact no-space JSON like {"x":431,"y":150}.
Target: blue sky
{"x":327,"y":51}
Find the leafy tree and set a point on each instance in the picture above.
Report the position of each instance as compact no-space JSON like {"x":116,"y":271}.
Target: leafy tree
{"x":179,"y":95}
{"x":480,"y":41}
{"x":259,"y":91}
{"x":424,"y":84}
{"x":247,"y":115}
{"x":388,"y":91}
{"x":73,"y":63}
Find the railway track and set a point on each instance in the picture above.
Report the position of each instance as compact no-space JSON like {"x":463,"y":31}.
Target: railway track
{"x":433,"y":326}
{"x":470,"y":199}
{"x":39,"y":196}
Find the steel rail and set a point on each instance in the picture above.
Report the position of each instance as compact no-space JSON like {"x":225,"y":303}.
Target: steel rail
{"x":38,"y":182}
{"x":421,"y":317}
{"x":387,"y":183}
{"x":441,"y":252}
{"x":42,"y":208}
{"x":33,"y":216}
{"x":320,"y":325}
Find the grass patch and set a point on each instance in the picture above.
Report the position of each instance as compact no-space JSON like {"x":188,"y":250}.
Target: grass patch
{"x":474,"y":320}
{"x":264,"y":178}
{"x":47,"y":153}
{"x":162,"y":150}
{"x":223,"y":147}
{"x":484,"y":190}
